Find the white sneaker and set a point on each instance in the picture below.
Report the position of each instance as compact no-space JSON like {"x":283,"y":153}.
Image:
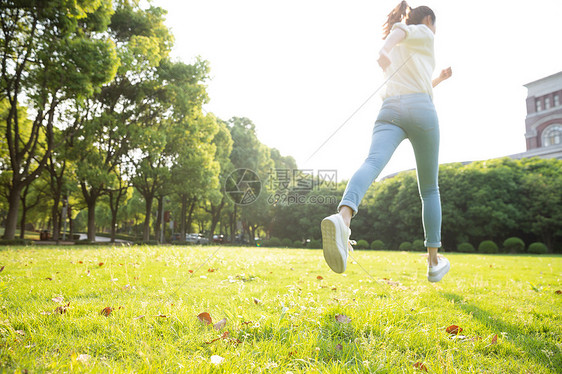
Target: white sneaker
{"x":436,"y":273}
{"x":335,"y":239}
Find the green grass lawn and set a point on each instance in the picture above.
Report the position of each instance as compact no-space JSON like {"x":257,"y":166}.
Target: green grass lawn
{"x":283,"y":309}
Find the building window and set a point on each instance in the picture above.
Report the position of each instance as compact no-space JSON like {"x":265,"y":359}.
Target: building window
{"x":552,"y":135}
{"x":556,"y":100}
{"x":546,"y":103}
{"x":538,"y":104}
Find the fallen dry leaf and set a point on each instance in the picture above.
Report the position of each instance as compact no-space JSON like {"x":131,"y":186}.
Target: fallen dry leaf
{"x":420,"y":366}
{"x":190,"y":271}
{"x":495,"y":339}
{"x":100,"y":264}
{"x":257,"y":301}
{"x":205,"y":318}
{"x":2,"y":268}
{"x":319,"y":277}
{"x":106,"y":311}
{"x":342,"y":318}
{"x":225,"y":336}
{"x":49,"y":278}
{"x":339,"y":347}
{"x":454,"y":329}
{"x":558,"y":292}
{"x":211,"y":270}
{"x":161,"y":316}
{"x":80,"y":262}
{"x":61,"y":309}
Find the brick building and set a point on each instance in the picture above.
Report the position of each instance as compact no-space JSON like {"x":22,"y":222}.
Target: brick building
{"x":543,"y":123}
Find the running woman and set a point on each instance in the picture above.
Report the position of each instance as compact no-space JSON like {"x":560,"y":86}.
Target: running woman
{"x":407,"y":59}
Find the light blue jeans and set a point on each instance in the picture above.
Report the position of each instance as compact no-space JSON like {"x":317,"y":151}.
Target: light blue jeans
{"x":410,"y":116}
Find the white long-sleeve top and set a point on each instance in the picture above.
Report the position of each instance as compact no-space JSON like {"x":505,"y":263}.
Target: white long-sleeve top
{"x":416,"y":75}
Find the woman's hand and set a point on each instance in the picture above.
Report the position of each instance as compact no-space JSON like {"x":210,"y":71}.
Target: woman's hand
{"x":445,"y":74}
{"x":384,"y":60}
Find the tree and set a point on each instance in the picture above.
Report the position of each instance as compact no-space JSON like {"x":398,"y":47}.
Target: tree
{"x":249,"y":153}
{"x":217,"y":198}
{"x":41,"y":40}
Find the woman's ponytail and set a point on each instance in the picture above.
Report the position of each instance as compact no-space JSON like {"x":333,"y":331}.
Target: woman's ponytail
{"x":397,"y":15}
{"x":403,"y":12}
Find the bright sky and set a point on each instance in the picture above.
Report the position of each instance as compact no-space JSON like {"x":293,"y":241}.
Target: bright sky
{"x":299,"y":68}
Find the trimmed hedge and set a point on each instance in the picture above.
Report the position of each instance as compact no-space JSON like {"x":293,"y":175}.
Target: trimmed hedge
{"x":513,"y":245}
{"x":362,"y":244}
{"x":25,"y":242}
{"x":418,"y":245}
{"x":537,"y":248}
{"x":488,"y":246}
{"x":286,"y":243}
{"x":315,"y":244}
{"x":405,"y":246}
{"x":465,"y":248}
{"x":377,"y":245}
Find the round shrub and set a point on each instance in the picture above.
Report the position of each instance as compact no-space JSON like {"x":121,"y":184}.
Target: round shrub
{"x":405,"y":246}
{"x":315,"y":244}
{"x":21,"y":242}
{"x":513,"y":245}
{"x":377,"y":245}
{"x":465,"y":248}
{"x":273,"y":242}
{"x":537,"y":248}
{"x":286,"y":242}
{"x":297,"y":244}
{"x":362,"y":244}
{"x":418,"y":245}
{"x":488,"y":246}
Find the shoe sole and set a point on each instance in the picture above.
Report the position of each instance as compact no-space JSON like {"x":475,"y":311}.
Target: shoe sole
{"x":437,"y":277}
{"x":332,"y":254}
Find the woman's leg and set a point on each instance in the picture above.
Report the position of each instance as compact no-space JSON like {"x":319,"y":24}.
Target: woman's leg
{"x":385,"y":139}
{"x":425,"y":142}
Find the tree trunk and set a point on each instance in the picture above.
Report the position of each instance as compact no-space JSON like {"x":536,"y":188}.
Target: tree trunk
{"x":13,"y":208}
{"x":91,"y":220}
{"x":55,"y":217}
{"x":192,"y":204}
{"x":23,"y":211}
{"x":183,"y":217}
{"x":159,"y":220}
{"x":113,"y":226}
{"x":232,"y":224}
{"x":70,"y":225}
{"x":22,"y":221}
{"x":215,"y":216}
{"x":146,"y":231}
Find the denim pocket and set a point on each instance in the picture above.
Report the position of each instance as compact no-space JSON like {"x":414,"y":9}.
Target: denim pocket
{"x":389,"y":113}
{"x":422,"y":116}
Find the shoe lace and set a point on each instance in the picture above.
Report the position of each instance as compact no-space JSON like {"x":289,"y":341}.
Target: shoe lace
{"x":350,"y":244}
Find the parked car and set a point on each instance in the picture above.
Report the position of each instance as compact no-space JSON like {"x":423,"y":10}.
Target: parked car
{"x":218,"y":238}
{"x":196,"y":239}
